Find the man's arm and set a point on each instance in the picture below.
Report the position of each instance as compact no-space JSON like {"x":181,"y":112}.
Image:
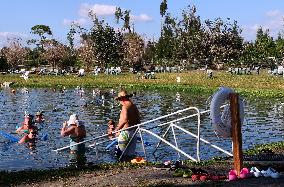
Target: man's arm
{"x":66,"y":131}
{"x":19,"y":129}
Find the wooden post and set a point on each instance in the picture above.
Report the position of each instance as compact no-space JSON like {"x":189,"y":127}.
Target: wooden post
{"x":236,"y":132}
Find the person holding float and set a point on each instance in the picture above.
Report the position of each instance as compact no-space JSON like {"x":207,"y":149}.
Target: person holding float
{"x":31,"y":130}
{"x":28,"y":121}
{"x":129,"y":116}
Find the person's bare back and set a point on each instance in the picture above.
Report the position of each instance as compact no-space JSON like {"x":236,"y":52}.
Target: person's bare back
{"x":129,"y":115}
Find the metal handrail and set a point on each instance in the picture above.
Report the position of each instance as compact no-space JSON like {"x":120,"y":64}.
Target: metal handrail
{"x":203,"y":140}
{"x":172,"y":125}
{"x":168,"y":143}
{"x":135,"y":126}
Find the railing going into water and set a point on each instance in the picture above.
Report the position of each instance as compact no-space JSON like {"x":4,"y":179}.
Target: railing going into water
{"x":171,"y":126}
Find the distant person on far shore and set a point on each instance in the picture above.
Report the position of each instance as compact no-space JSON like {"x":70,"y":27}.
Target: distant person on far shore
{"x":257,"y":69}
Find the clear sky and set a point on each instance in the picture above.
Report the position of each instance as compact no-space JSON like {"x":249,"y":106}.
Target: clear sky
{"x":18,"y":16}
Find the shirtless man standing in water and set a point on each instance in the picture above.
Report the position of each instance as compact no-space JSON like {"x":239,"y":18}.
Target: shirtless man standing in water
{"x":129,"y":116}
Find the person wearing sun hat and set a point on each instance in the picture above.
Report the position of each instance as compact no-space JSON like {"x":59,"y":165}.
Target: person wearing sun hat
{"x":75,"y":129}
{"x":129,"y":116}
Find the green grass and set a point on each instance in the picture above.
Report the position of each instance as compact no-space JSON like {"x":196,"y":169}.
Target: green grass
{"x":262,"y":85}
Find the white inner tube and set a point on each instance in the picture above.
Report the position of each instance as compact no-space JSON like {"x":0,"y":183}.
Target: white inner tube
{"x":222,"y":121}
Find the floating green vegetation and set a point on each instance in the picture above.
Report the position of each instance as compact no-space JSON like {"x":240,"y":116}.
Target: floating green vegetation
{"x":266,"y":148}
{"x":273,"y":148}
{"x":262,"y":85}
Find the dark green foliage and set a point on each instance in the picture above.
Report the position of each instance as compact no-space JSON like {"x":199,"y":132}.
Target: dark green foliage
{"x":33,"y":57}
{"x":69,"y":61}
{"x":150,"y":51}
{"x":166,"y":44}
{"x":224,"y":41}
{"x":107,"y":44}
{"x":41,"y":31}
{"x":3,"y":63}
{"x":249,"y":54}
{"x":279,"y":46}
{"x":124,"y":16}
{"x":264,"y":46}
{"x":163,"y":7}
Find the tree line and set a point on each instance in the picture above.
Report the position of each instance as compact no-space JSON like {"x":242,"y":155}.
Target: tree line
{"x":185,"y":41}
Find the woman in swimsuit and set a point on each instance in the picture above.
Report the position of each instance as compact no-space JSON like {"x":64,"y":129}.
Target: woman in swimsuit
{"x":29,"y":128}
{"x":25,"y":126}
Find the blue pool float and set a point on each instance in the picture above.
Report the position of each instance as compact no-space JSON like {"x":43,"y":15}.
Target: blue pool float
{"x":9,"y":136}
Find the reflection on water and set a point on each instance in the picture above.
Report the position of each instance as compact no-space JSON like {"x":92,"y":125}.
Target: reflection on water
{"x":77,"y":159}
{"x":263,"y":124}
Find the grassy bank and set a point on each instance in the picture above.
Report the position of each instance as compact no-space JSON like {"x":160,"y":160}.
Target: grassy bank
{"x":263,"y":85}
{"x":34,"y":176}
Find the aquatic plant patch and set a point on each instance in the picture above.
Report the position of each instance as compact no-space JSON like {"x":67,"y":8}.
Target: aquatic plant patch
{"x":263,"y":85}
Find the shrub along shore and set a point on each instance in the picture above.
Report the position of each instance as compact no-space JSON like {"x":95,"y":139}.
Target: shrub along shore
{"x":262,"y":85}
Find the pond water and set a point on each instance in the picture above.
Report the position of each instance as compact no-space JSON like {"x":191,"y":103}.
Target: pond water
{"x":263,"y":124}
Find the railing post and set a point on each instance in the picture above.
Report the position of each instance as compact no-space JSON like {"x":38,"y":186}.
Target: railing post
{"x":142,"y":142}
{"x":160,"y":140}
{"x":175,"y":138}
{"x":198,"y":137}
{"x":236,"y":132}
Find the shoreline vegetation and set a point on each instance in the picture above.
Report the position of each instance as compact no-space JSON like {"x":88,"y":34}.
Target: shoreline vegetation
{"x":62,"y":175}
{"x":195,"y":81}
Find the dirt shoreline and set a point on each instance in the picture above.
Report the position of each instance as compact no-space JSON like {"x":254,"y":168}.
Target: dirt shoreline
{"x":149,"y":176}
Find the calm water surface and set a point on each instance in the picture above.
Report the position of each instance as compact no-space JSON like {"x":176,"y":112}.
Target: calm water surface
{"x":263,"y":124}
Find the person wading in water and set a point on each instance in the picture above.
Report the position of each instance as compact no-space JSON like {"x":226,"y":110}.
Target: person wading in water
{"x":129,"y":116}
{"x":75,"y":129}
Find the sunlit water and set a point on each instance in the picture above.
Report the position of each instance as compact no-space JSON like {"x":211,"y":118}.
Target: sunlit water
{"x":263,"y":124}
